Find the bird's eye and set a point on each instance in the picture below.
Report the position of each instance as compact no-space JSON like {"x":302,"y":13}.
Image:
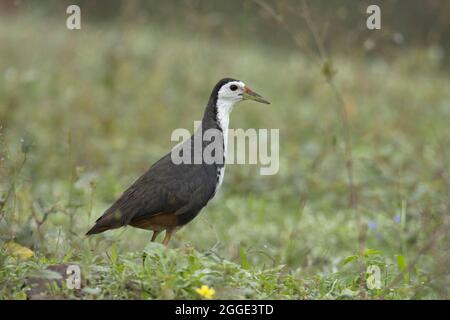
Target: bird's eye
{"x":233,"y":87}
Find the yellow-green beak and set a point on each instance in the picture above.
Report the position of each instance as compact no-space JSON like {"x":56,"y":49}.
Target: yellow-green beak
{"x":250,"y":95}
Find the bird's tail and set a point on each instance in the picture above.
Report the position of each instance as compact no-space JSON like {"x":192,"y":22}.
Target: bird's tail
{"x":106,"y":222}
{"x":97,"y":228}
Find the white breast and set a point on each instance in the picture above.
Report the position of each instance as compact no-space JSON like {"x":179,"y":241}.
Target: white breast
{"x":224,"y":109}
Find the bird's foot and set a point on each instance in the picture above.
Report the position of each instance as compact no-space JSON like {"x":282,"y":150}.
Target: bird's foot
{"x":144,"y":256}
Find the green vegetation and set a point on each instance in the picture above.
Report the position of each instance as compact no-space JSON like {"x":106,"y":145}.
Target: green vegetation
{"x":83,"y":113}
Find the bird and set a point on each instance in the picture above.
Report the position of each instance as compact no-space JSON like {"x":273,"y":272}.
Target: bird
{"x":169,"y":195}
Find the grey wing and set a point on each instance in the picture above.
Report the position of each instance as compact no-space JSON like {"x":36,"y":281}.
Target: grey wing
{"x":164,"y":188}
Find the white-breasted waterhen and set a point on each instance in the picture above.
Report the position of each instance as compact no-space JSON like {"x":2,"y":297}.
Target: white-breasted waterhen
{"x":169,"y":195}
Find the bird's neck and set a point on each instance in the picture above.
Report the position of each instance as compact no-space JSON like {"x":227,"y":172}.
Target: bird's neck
{"x":223,"y":111}
{"x":217,"y":115}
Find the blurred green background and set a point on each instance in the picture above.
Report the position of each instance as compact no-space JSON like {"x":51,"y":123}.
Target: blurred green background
{"x":85,"y":112}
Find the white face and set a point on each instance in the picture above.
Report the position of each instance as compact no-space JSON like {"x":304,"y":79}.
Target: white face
{"x":231,"y":92}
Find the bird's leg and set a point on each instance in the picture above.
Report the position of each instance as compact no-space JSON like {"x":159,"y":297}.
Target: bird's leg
{"x":144,"y":255}
{"x":167,"y":237}
{"x":155,"y":234}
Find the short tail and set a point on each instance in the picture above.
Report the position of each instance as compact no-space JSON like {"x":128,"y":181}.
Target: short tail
{"x":104,"y":223}
{"x":97,"y":228}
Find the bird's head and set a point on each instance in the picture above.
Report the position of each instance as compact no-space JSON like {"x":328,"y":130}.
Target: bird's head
{"x":233,"y":91}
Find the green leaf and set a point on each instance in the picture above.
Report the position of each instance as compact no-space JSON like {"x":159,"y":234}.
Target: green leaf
{"x":347,"y":292}
{"x":244,"y":262}
{"x":47,"y":274}
{"x":371,"y":252}
{"x":403,"y":266}
{"x":401,"y":262}
{"x":350,"y":259}
{"x":113,"y":254}
{"x":92,"y":291}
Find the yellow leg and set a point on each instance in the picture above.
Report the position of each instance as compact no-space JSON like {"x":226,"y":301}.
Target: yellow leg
{"x":155,"y":234}
{"x":144,"y":255}
{"x":167,"y":237}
